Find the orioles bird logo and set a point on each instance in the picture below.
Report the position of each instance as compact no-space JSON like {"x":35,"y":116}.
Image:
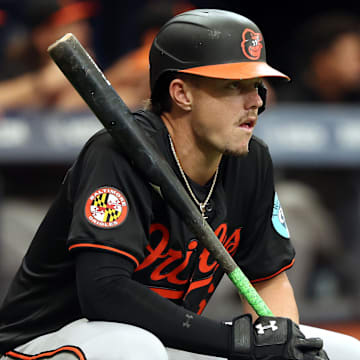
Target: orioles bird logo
{"x":251,"y":44}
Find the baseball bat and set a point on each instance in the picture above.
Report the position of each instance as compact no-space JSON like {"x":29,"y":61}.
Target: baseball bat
{"x":90,"y":82}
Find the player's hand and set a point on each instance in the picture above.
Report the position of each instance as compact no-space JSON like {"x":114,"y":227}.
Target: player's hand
{"x":322,"y":355}
{"x":272,"y":338}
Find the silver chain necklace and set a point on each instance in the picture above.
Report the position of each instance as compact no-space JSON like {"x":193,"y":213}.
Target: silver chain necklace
{"x":203,"y":204}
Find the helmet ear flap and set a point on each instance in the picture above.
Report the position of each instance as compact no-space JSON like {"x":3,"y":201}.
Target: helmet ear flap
{"x":262,"y":90}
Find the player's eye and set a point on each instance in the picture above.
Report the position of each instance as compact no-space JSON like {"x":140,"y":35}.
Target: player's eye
{"x":236,"y":85}
{"x":258,"y":84}
{"x":244,"y":85}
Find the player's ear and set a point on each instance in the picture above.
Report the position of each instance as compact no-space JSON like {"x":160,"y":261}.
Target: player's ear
{"x":180,"y":93}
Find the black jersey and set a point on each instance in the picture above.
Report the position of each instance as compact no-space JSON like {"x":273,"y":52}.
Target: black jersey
{"x":104,"y":204}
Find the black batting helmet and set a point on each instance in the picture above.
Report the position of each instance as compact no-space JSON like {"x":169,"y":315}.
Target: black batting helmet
{"x":212,"y":43}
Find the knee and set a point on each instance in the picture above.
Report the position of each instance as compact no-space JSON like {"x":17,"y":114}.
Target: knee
{"x":337,"y":345}
{"x":342,"y":346}
{"x":118,"y":341}
{"x":134,"y":343}
{"x":148,"y":347}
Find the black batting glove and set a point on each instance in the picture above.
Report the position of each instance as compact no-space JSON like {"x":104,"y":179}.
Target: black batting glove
{"x":272,"y":338}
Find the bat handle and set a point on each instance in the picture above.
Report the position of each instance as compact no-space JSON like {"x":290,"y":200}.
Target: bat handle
{"x":248,"y":291}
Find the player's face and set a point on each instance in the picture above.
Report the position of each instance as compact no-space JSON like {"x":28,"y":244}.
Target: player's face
{"x":224,"y":113}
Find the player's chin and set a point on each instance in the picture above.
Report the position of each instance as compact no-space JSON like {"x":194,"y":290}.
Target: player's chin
{"x":238,"y":151}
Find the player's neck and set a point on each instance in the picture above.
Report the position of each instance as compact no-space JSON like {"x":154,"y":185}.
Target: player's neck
{"x":199,"y":164}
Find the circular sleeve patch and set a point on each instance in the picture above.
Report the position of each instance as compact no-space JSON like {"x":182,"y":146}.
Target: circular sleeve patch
{"x":106,"y":208}
{"x":278,"y":219}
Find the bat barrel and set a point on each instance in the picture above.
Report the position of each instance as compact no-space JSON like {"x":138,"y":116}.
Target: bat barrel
{"x":89,"y":81}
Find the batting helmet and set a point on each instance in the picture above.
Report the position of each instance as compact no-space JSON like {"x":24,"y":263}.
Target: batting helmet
{"x":212,"y":43}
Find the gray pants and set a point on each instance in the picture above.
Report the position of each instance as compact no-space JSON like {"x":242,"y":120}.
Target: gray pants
{"x":96,"y":340}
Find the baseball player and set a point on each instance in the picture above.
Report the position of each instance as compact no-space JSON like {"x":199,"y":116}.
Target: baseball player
{"x":114,"y":273}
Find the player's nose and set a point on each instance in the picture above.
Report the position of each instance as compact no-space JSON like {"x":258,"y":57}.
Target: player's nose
{"x":253,"y":100}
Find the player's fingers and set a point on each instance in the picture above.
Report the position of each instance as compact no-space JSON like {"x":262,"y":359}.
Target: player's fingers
{"x":310,"y":344}
{"x":314,"y":356}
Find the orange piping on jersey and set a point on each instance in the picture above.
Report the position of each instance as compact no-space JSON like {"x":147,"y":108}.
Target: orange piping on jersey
{"x":103,"y":247}
{"x":277,"y":273}
{"x":168,"y":294}
{"x":78,"y":353}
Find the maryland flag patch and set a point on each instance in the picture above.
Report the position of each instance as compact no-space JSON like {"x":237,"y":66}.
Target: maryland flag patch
{"x":106,"y":208}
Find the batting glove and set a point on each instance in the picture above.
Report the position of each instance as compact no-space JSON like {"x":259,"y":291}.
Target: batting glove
{"x":272,"y":338}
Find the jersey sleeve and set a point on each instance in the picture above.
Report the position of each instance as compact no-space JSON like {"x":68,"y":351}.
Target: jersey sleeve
{"x":111,"y":202}
{"x":266,"y":249}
